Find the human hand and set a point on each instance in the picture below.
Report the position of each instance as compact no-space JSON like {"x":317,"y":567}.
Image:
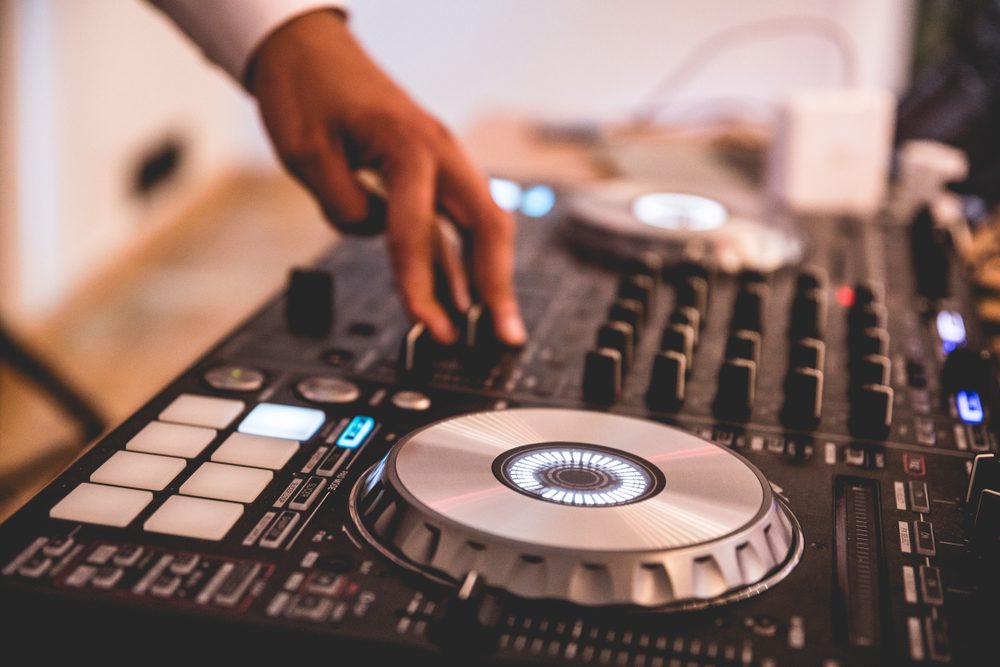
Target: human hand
{"x":329,"y":109}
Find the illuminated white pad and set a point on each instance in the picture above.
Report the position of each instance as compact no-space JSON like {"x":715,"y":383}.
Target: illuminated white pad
{"x":171,"y":440}
{"x":104,"y":505}
{"x":194,"y":517}
{"x":139,"y":471}
{"x":203,"y":411}
{"x":255,"y":450}
{"x":283,"y":421}
{"x":226,"y":482}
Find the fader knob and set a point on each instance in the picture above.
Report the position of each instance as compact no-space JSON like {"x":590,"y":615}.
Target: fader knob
{"x":871,"y":411}
{"x":808,"y":316}
{"x":416,"y":351}
{"x":618,"y":336}
{"x":668,"y":382}
{"x":871,"y":369}
{"x":868,"y":316}
{"x":807,"y":353}
{"x":810,"y":279}
{"x":737,"y":386}
{"x":690,"y":316}
{"x":629,"y":311}
{"x":467,"y":623}
{"x":744,"y":344}
{"x":868,"y":291}
{"x":640,"y":288}
{"x":871,"y":341}
{"x":679,"y":338}
{"x":749,"y":306}
{"x":803,"y":398}
{"x":602,"y":376}
{"x":693,"y":291}
{"x":309,"y":303}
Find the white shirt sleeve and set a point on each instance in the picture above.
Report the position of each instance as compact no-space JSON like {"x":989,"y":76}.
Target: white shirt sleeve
{"x":229,"y":31}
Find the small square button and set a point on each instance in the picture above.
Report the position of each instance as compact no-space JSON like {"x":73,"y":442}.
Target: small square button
{"x":138,"y":471}
{"x":207,"y":411}
{"x":283,"y":421}
{"x":226,"y":482}
{"x":103,"y":505}
{"x":171,"y":440}
{"x":194,"y":517}
{"x":255,"y":450}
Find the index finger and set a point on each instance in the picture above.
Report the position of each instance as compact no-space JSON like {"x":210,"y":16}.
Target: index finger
{"x":466,"y":196}
{"x":411,"y":238}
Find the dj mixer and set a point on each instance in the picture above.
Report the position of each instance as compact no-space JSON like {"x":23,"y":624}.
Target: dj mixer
{"x":681,"y":467}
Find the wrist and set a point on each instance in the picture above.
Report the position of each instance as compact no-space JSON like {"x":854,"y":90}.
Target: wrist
{"x":320,"y":24}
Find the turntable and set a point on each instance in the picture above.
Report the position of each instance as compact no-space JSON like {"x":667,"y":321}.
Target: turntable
{"x":585,"y":507}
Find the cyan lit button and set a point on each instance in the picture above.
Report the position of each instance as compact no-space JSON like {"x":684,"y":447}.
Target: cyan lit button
{"x":356,"y":432}
{"x":283,"y":421}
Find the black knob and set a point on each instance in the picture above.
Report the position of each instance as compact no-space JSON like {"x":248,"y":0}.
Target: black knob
{"x":416,"y":351}
{"x":744,"y":344}
{"x":467,"y":624}
{"x":693,"y":291}
{"x":627,"y":310}
{"x":868,"y":291}
{"x":811,"y":279}
{"x":749,"y":307}
{"x":807,"y":353}
{"x":668,"y":382}
{"x":602,"y":376}
{"x":871,"y":369}
{"x":868,"y":316}
{"x":679,"y":338}
{"x":648,"y":264}
{"x":871,"y":341}
{"x":987,"y":515}
{"x":871,"y":411}
{"x":690,"y":316}
{"x":966,"y":369}
{"x":477,"y":330}
{"x":749,"y":276}
{"x":930,"y":251}
{"x":309,"y":303}
{"x":640,"y":288}
{"x":803,"y":398}
{"x":737,"y":386}
{"x":618,"y":336}
{"x":808,"y":316}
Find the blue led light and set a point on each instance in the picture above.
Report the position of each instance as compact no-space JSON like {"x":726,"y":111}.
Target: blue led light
{"x":356,"y":432}
{"x":283,"y":421}
{"x":538,"y":201}
{"x":970,"y":408}
{"x":951,"y":328}
{"x":507,"y":194}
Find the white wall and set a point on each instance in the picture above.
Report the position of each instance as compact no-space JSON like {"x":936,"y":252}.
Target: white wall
{"x":92,"y":85}
{"x":587,"y":59}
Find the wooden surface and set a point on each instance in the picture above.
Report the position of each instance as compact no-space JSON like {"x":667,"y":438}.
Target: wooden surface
{"x":123,"y":339}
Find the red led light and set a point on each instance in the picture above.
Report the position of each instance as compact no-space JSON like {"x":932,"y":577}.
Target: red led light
{"x":845,"y":296}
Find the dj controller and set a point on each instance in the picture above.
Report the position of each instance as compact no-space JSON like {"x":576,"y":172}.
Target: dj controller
{"x":681,"y":467}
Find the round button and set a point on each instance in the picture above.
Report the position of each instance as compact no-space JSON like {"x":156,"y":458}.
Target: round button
{"x":234,"y":378}
{"x":328,"y":390}
{"x":411,"y":400}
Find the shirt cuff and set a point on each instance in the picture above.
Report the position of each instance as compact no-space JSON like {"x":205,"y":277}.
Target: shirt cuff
{"x":229,"y":31}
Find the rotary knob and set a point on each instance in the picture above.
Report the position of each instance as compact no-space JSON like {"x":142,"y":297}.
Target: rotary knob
{"x":668,"y":382}
{"x":679,"y":338}
{"x":808,"y":316}
{"x":807,"y":353}
{"x":617,"y":336}
{"x":737,"y":385}
{"x":871,"y":411}
{"x":744,"y":344}
{"x":749,"y":306}
{"x":638,"y":287}
{"x":629,"y":311}
{"x":803,"y":398}
{"x":602,"y":376}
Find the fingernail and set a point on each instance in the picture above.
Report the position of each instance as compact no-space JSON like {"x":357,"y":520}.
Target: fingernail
{"x":512,"y":330}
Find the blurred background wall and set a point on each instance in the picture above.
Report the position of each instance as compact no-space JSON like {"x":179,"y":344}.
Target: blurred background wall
{"x":111,"y":124}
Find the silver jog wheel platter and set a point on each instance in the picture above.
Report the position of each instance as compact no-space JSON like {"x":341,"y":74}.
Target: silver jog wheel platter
{"x":585,"y":507}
